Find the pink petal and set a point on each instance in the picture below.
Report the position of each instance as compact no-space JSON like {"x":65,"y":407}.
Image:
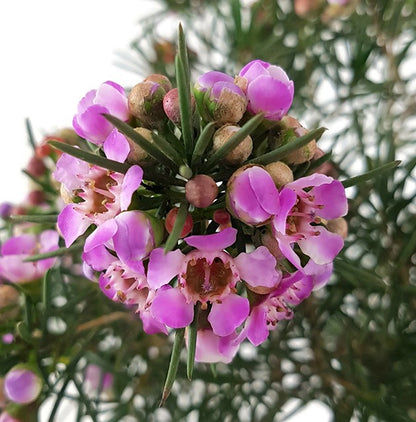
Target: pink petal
{"x":19,"y":245}
{"x":227,"y":315}
{"x":131,"y":182}
{"x":134,"y":237}
{"x":152,"y":325}
{"x":116,"y":146}
{"x":249,"y":265}
{"x":213,"y":242}
{"x":256,"y":326}
{"x":67,"y":170}
{"x":163,"y":267}
{"x":101,"y":235}
{"x":322,"y":248}
{"x":72,"y":224}
{"x":285,"y":245}
{"x":22,"y":386}
{"x":114,"y":100}
{"x":95,"y":127}
{"x":169,"y":307}
{"x":264,"y":189}
{"x":211,"y":348}
{"x":315,"y":179}
{"x":332,"y":197}
{"x":319,"y":273}
{"x":12,"y":268}
{"x":287,"y":199}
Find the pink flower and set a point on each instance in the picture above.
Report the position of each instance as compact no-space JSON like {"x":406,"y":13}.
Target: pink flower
{"x":208,"y":275}
{"x":306,"y":203}
{"x":219,"y":98}
{"x":252,"y":196}
{"x":96,"y":379}
{"x":108,"y":98}
{"x":16,"y":249}
{"x":268,"y":89}
{"x":117,"y":248}
{"x":101,"y":194}
{"x":22,"y":385}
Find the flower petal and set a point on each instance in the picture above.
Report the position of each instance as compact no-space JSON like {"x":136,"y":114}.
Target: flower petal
{"x":116,"y":146}
{"x":322,"y":248}
{"x":19,"y":245}
{"x":256,"y":326}
{"x":170,"y":308}
{"x":227,"y":315}
{"x":213,"y":242}
{"x":258,"y":268}
{"x":72,"y":224}
{"x":131,"y":182}
{"x":163,"y":267}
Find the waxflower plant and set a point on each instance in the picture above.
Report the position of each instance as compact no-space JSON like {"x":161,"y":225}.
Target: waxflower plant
{"x":203,"y":209}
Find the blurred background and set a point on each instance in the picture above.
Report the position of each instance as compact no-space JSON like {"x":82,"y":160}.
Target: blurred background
{"x":349,"y":353}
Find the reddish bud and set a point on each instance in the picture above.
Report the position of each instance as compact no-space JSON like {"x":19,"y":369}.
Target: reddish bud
{"x":36,"y":197}
{"x":201,"y":191}
{"x":36,"y":167}
{"x":171,"y":218}
{"x":221,"y":217}
{"x":171,"y":106}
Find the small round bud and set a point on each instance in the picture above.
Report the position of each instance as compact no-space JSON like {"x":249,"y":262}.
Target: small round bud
{"x":22,"y":385}
{"x":239,"y":154}
{"x":201,"y":191}
{"x":36,"y":197}
{"x":146,"y":100}
{"x":137,"y":154}
{"x":221,"y":217}
{"x":5,"y":209}
{"x":172,"y":108}
{"x":338,"y":226}
{"x":280,"y":172}
{"x":171,"y":218}
{"x":36,"y":167}
{"x":185,"y":171}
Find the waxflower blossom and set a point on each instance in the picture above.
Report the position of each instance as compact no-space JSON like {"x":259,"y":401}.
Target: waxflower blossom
{"x":268,"y":89}
{"x":207,"y":275}
{"x":89,"y":122}
{"x":306,"y":204}
{"x":252,"y":196}
{"x":16,"y":249}
{"x":219,"y":98}
{"x":22,"y":385}
{"x":94,"y":194}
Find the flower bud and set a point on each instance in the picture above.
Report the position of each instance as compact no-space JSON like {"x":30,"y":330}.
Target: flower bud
{"x":304,"y":7}
{"x":221,"y":217}
{"x":268,"y":89}
{"x":239,"y":154}
{"x":22,"y":384}
{"x":36,"y":167}
{"x":280,"y":172}
{"x":338,"y":226}
{"x":327,"y":167}
{"x":291,"y":129}
{"x":172,"y":108}
{"x":5,"y":210}
{"x":201,"y":191}
{"x":36,"y":197}
{"x":146,"y":100}
{"x":137,"y":154}
{"x":171,"y":218}
{"x":219,"y":99}
{"x":252,"y":196}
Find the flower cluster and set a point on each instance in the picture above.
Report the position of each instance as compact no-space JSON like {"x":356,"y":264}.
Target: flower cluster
{"x":245,"y":242}
{"x":207,"y":211}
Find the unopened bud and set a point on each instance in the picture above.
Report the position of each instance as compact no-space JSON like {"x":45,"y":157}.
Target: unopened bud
{"x":172,"y":108}
{"x":170,"y":222}
{"x":22,"y":384}
{"x":201,"y":191}
{"x":146,"y":100}
{"x":280,"y":172}
{"x":239,"y":154}
{"x":137,"y":154}
{"x":36,"y":167}
{"x":36,"y":197}
{"x":338,"y":226}
{"x":291,"y":129}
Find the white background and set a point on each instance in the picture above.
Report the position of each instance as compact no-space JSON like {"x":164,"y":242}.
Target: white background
{"x":51,"y":53}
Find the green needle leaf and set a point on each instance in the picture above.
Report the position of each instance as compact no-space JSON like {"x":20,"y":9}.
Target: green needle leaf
{"x":91,"y":158}
{"x":234,"y":141}
{"x":172,"y":239}
{"x":58,"y":252}
{"x":284,"y":150}
{"x":151,"y":149}
{"x":202,"y":142}
{"x":370,"y":174}
{"x":167,"y":149}
{"x":192,"y":334}
{"x":173,"y":365}
{"x":35,"y":218}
